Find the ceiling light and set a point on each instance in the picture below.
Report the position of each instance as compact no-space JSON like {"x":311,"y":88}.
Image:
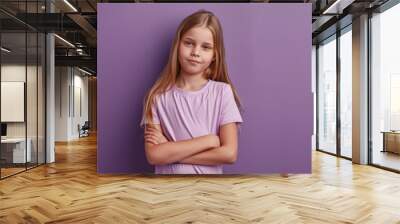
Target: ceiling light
{"x":70,"y":5}
{"x":338,"y":6}
{"x":64,"y":40}
{"x":86,"y":72}
{"x":5,"y":50}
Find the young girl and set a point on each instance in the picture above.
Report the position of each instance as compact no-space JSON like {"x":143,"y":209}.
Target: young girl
{"x":191,"y":112}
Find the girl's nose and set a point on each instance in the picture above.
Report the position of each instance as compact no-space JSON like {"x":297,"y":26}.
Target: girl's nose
{"x":195,"y":52}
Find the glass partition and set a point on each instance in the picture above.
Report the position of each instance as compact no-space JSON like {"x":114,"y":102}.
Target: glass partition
{"x":327,"y":95}
{"x":385,"y":88}
{"x":13,"y":94}
{"x":22,"y":77}
{"x":31,"y":100}
{"x":41,"y":91}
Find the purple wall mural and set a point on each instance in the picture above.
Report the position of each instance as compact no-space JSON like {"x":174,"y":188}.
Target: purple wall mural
{"x":268,"y":48}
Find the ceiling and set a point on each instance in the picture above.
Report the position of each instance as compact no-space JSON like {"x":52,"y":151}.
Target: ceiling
{"x":76,"y":22}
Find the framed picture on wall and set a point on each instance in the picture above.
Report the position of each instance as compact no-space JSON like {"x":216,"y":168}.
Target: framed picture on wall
{"x":12,"y":101}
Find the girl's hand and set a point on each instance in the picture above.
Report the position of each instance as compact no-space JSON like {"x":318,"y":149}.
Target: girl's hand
{"x":154,"y":136}
{"x":214,"y":141}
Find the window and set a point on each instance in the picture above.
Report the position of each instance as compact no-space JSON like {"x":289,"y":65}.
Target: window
{"x":327,"y":95}
{"x":346,"y":75}
{"x":385,"y":87}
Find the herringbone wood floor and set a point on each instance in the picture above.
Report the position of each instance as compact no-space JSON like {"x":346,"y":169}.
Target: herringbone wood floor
{"x":70,"y":191}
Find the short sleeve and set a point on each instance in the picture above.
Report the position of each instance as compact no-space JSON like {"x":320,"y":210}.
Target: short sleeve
{"x":156,"y":119}
{"x":229,"y":109}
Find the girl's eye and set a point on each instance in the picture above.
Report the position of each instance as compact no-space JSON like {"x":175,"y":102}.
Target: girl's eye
{"x":206,"y":47}
{"x":188,"y":43}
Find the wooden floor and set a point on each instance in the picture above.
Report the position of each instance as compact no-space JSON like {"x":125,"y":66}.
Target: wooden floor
{"x":5,"y":172}
{"x":70,"y":191}
{"x":9,"y":171}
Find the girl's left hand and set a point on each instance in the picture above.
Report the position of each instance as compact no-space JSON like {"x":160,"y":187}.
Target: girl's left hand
{"x":154,"y":136}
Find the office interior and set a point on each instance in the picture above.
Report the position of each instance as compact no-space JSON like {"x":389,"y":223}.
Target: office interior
{"x":49,"y":82}
{"x":48,"y":76}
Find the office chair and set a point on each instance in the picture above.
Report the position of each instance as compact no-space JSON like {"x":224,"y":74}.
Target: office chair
{"x":84,"y":130}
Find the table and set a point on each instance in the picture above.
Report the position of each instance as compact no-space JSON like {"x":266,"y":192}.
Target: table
{"x":391,"y":141}
{"x":13,"y":150}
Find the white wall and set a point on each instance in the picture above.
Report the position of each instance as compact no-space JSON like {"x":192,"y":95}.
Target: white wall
{"x":62,"y":78}
{"x":17,"y":73}
{"x":10,"y":73}
{"x":79,"y":112}
{"x":71,"y":93}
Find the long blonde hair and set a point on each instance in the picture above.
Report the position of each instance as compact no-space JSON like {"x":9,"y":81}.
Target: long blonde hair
{"x":217,"y":70}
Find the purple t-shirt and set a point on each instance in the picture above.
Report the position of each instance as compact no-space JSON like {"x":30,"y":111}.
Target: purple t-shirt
{"x":185,"y":114}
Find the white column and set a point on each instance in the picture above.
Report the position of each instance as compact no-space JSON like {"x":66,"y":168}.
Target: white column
{"x":50,"y":91}
{"x":360,"y":90}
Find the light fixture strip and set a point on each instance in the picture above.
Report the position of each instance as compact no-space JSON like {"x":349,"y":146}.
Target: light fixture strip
{"x":84,"y":71}
{"x":70,"y":5}
{"x":330,"y":7}
{"x":5,"y":50}
{"x":64,"y":40}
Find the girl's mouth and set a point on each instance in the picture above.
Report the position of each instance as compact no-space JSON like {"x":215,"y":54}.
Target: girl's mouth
{"x":193,"y":62}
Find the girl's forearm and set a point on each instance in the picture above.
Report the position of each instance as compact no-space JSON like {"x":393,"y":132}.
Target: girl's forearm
{"x":171,"y":152}
{"x":214,"y":156}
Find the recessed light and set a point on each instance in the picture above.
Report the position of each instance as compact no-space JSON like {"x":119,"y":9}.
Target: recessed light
{"x":86,"y":72}
{"x":70,"y":5}
{"x":5,"y":50}
{"x":64,"y":40}
{"x":337,"y":7}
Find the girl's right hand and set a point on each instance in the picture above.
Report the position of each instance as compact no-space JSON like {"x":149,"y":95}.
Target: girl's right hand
{"x":154,"y":136}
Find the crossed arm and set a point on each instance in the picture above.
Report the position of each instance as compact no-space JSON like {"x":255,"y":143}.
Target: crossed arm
{"x":203,"y":150}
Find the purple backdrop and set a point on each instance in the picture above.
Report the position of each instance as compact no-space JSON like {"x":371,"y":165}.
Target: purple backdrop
{"x":268,"y":50}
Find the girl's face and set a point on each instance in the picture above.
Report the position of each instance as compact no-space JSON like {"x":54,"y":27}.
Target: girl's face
{"x":196,"y":50}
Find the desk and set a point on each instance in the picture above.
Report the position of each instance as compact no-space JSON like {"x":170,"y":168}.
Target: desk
{"x":391,"y":141}
{"x":13,"y":150}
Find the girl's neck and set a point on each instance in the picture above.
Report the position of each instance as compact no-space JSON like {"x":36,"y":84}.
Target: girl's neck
{"x":191,"y":82}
